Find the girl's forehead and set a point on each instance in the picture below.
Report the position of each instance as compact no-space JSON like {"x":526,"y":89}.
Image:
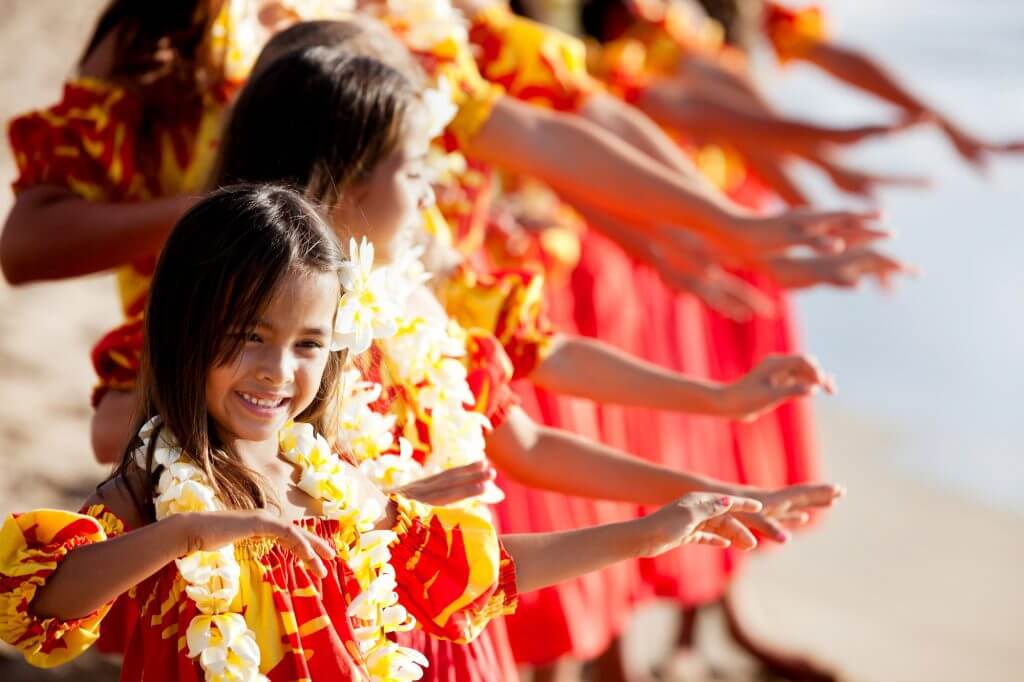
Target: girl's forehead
{"x":303,"y":300}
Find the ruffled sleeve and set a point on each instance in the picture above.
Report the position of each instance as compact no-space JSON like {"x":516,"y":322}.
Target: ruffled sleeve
{"x":508,"y":304}
{"x":793,"y":33}
{"x":32,"y":546}
{"x":86,"y":143}
{"x":533,"y":62}
{"x":117,"y":358}
{"x":453,"y":573}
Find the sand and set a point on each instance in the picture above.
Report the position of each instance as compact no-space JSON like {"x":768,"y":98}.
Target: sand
{"x":902,"y":582}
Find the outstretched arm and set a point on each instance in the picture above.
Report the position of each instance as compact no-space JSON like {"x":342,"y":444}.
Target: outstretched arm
{"x":544,"y":559}
{"x":624,"y":181}
{"x":861,"y":71}
{"x":590,"y":369}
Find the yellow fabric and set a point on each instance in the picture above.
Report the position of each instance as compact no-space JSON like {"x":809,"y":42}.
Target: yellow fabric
{"x":533,"y":62}
{"x":470,"y":597}
{"x":32,"y":545}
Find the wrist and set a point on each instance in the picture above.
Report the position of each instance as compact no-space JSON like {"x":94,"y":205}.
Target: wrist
{"x":183,"y":531}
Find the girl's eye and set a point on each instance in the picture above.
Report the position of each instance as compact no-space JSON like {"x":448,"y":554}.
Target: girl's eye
{"x":253,"y":337}
{"x":310,"y":344}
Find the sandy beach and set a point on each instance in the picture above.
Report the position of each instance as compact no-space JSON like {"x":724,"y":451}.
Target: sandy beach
{"x":903,"y":582}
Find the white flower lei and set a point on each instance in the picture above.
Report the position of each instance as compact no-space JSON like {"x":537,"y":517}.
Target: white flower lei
{"x":424,"y":353}
{"x":219,"y":637}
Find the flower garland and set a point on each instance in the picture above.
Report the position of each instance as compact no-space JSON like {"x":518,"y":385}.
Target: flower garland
{"x":219,"y":637}
{"x":423,"y":353}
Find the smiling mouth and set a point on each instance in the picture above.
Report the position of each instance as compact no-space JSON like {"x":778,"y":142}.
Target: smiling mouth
{"x":262,"y":405}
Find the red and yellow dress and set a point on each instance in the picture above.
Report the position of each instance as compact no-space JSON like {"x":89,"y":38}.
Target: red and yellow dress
{"x":579,"y":618}
{"x":489,"y":370}
{"x":299,"y":619}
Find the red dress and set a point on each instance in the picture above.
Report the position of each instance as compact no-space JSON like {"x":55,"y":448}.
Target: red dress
{"x":581,"y":617}
{"x":300,"y":621}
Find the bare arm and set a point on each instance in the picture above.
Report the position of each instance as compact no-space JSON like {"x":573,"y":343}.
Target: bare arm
{"x":857,"y":69}
{"x":620,"y":179}
{"x":624,"y":181}
{"x":669,"y":103}
{"x":635,"y":128}
{"x":544,"y":559}
{"x":52,"y":233}
{"x":553,"y":459}
{"x":615,"y":377}
{"x":93,"y":575}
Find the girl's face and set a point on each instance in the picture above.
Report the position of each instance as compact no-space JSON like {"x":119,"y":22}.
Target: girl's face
{"x":278,"y":371}
{"x":386,"y":206}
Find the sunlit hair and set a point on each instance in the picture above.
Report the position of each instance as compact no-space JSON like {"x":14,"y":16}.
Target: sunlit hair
{"x":318,"y":120}
{"x":219,"y":270}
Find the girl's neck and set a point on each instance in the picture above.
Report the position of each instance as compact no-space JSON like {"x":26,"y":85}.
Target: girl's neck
{"x":259,"y":456}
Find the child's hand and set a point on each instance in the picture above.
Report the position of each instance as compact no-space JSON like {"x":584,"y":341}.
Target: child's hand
{"x":205,"y":531}
{"x":788,"y":508}
{"x":450,"y":486}
{"x":776,"y":379}
{"x":847,"y":270}
{"x":699,"y":519}
{"x":823,"y":231}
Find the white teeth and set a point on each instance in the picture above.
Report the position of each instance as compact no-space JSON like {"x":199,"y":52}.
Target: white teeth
{"x":259,"y":402}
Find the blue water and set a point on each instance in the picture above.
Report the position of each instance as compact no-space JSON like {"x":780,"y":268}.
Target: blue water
{"x":940,"y":362}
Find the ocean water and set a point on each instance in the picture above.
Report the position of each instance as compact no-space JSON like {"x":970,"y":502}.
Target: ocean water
{"x":941,"y":362}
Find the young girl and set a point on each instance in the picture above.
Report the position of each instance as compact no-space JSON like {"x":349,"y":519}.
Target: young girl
{"x":361,"y":151}
{"x":249,"y":547}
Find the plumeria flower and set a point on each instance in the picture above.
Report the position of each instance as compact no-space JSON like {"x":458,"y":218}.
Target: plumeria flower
{"x":447,"y":387}
{"x":439,"y":107}
{"x":183,"y":496}
{"x":390,"y":471}
{"x":366,"y":310}
{"x":219,"y":630}
{"x":391,"y":661}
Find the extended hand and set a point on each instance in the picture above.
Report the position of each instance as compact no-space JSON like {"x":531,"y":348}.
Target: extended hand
{"x":453,"y":485}
{"x":701,"y":519}
{"x":776,"y":379}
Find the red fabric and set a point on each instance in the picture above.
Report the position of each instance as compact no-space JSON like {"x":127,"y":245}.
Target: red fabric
{"x":581,"y":617}
{"x":487,"y":658}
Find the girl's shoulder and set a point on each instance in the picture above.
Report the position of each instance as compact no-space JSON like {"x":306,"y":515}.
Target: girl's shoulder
{"x":122,"y":496}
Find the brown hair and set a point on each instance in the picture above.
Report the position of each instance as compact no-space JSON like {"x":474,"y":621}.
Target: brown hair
{"x":352,"y":115}
{"x":220,"y":268}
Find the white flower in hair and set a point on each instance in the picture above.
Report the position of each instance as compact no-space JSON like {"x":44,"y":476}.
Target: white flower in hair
{"x":367,"y":310}
{"x":439,"y":106}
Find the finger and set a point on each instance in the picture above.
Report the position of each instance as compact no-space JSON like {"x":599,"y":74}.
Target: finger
{"x":459,"y":493}
{"x":766,"y":526}
{"x":837,"y":216}
{"x":732,"y":529}
{"x":323,"y":548}
{"x":793,"y":519}
{"x":741,"y":505}
{"x":706,"y":538}
{"x":811,"y":495}
{"x":297,"y":544}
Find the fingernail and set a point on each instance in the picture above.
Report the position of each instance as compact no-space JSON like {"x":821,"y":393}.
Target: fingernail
{"x":725,"y":501}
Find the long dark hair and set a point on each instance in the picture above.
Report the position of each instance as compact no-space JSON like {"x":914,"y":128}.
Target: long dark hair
{"x":351,"y":115}
{"x":218,"y":271}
